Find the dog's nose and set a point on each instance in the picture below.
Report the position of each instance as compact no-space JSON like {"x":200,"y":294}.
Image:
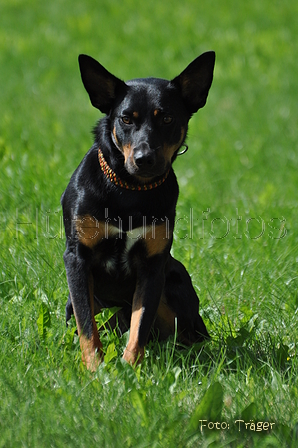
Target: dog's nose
{"x":144,"y":157}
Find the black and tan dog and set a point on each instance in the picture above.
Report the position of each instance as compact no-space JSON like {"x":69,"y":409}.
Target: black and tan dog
{"x":119,"y":210}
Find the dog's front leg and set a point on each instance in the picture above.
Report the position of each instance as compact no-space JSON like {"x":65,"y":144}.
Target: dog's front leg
{"x":80,"y":283}
{"x":150,"y":283}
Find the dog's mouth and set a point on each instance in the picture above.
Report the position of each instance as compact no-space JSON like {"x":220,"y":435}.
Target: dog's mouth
{"x":146,"y":173}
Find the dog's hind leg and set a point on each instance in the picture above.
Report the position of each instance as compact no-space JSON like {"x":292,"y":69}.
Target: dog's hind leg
{"x":180,"y":301}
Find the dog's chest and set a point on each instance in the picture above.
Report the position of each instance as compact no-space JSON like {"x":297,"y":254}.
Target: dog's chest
{"x":115,"y":249}
{"x":115,"y":253}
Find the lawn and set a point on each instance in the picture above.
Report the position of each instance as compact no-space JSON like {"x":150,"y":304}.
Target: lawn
{"x":236,"y":229}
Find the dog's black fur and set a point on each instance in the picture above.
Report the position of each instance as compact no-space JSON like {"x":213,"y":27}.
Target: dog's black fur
{"x":119,"y":224}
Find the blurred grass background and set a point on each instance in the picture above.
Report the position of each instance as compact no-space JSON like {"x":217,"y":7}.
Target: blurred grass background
{"x":236,"y":220}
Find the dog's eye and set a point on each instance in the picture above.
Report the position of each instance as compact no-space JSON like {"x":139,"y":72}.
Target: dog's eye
{"x":126,"y":120}
{"x":167,"y":119}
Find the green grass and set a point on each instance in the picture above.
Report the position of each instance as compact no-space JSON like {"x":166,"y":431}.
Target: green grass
{"x":236,"y":228}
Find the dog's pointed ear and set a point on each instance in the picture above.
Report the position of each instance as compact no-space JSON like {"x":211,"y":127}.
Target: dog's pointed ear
{"x":195,"y":81}
{"x":101,"y":85}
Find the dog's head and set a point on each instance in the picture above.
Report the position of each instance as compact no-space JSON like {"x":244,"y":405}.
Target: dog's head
{"x":148,"y":116}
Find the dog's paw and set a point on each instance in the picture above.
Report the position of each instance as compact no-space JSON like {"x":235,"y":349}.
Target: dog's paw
{"x":134,"y":356}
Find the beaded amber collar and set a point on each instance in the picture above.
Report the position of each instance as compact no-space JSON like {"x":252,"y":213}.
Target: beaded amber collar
{"x":112,"y":176}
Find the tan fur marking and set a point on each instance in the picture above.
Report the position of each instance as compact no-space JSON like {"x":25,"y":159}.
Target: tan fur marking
{"x":128,"y":153}
{"x":158,"y":240}
{"x":156,"y":112}
{"x":134,"y":353}
{"x":115,"y":135}
{"x":135,"y":114}
{"x":165,"y":320}
{"x":91,"y":348}
{"x":89,"y":230}
{"x":169,"y":150}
